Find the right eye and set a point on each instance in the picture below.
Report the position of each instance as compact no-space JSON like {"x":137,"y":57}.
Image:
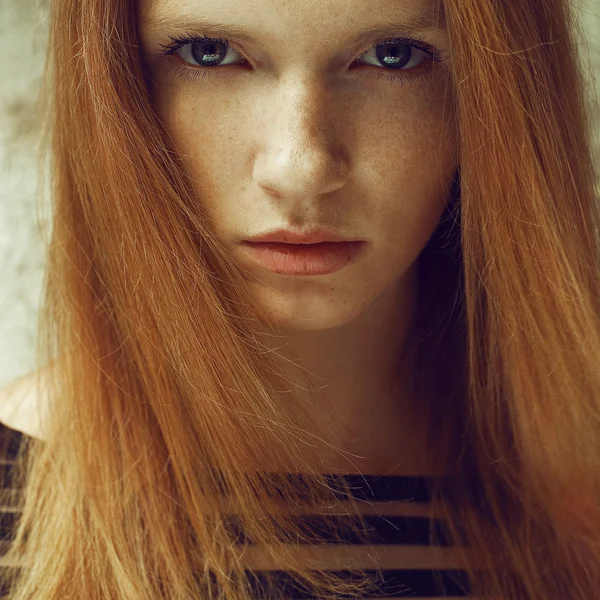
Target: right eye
{"x":204,"y":51}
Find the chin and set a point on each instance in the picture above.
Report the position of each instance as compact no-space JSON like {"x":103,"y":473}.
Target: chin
{"x":310,"y":312}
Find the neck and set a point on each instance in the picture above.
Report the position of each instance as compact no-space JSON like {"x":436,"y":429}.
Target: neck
{"x":361,"y":375}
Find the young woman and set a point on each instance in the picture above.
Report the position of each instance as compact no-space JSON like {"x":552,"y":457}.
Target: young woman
{"x":323,"y":277}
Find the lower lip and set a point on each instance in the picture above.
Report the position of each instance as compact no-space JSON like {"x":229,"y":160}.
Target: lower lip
{"x":304,"y":259}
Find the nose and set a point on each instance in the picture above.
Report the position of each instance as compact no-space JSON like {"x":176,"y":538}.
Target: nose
{"x":300,"y":159}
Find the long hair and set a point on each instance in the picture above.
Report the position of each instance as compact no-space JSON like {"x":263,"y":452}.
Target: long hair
{"x":165,"y":404}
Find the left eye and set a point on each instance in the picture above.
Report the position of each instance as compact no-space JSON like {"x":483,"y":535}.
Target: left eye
{"x":396,"y":54}
{"x":208,"y":51}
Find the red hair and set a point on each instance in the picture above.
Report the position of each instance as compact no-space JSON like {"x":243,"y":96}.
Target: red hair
{"x":163,"y":398}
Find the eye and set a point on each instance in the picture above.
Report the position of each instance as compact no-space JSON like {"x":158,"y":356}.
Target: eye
{"x":396,"y":56}
{"x":202,"y":51}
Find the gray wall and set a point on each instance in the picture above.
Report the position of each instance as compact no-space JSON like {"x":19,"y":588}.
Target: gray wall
{"x":22,"y":47}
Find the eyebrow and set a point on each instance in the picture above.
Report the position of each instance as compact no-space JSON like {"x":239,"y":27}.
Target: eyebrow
{"x":424,"y":20}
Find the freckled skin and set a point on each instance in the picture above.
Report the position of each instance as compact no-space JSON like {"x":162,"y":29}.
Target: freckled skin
{"x":299,"y":139}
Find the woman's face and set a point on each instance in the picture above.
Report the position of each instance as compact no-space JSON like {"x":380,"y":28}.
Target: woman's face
{"x":302,"y":124}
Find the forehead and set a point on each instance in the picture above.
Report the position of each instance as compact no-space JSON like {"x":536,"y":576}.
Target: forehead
{"x":256,"y":21}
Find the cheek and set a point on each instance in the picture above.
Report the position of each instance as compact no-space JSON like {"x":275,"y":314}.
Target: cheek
{"x":209,"y":143}
{"x":188,"y":123}
{"x":410,"y":163}
{"x":411,"y":166}
{"x":411,"y":133}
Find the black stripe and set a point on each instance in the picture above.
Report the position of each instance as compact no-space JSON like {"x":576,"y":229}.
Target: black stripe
{"x":6,"y":475}
{"x":394,"y":582}
{"x":8,"y":524}
{"x":392,"y":530}
{"x":378,"y":488}
{"x":390,"y":582}
{"x":372,"y":488}
{"x":389,"y":488}
{"x":11,"y":440}
{"x":395,"y":531}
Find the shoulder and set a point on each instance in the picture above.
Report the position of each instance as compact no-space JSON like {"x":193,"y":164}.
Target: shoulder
{"x":21,"y":404}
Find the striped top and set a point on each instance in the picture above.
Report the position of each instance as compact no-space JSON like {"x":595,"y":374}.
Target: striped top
{"x":396,"y":509}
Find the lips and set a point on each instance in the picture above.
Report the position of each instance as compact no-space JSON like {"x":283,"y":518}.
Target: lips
{"x":323,"y":258}
{"x":291,"y":237}
{"x":288,"y":247}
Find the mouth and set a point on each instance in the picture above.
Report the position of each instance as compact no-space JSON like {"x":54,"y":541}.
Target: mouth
{"x":285,"y":236}
{"x":322,"y":258}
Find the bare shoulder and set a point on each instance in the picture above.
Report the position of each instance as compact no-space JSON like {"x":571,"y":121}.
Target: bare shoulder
{"x":21,"y":403}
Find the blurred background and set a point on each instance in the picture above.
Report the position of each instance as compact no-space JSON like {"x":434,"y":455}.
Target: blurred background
{"x":23,"y":37}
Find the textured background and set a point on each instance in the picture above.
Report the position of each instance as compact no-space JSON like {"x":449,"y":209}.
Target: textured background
{"x":22,"y":47}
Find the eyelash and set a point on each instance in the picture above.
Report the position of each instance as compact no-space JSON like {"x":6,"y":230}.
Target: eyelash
{"x":190,"y":72}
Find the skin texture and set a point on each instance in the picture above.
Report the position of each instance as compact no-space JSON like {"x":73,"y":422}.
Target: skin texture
{"x":305,"y":132}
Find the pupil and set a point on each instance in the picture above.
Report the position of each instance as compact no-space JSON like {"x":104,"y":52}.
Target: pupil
{"x":206,"y":52}
{"x":394,"y":55}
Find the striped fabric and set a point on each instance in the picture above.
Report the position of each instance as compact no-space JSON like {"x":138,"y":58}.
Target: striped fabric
{"x":400,"y":552}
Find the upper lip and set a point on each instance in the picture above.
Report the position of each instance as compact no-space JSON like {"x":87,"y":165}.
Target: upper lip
{"x":310,"y":237}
